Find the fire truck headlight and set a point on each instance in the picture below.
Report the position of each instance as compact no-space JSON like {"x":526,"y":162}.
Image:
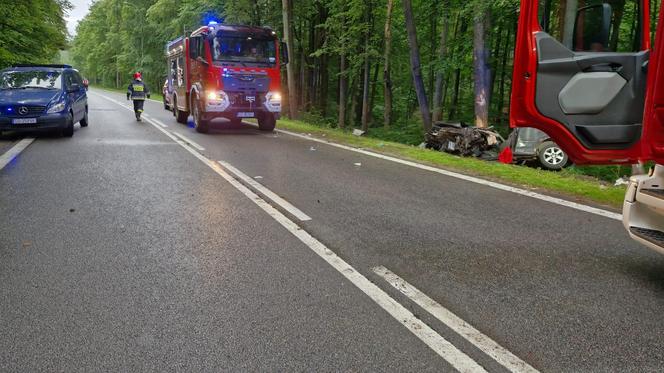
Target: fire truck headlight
{"x":218,"y":99}
{"x":273,"y":102}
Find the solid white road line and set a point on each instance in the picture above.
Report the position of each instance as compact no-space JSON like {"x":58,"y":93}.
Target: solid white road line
{"x":524,"y":192}
{"x":472,"y":335}
{"x":188,"y":140}
{"x":15,"y":150}
{"x":266,"y":192}
{"x":159,"y":122}
{"x":435,"y":341}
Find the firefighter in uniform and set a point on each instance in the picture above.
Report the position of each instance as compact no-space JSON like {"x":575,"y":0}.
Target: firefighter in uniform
{"x":138,"y":91}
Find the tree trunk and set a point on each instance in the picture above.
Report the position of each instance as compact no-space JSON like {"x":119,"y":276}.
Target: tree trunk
{"x":372,"y":95}
{"x":481,"y":71}
{"x":324,"y":83}
{"x":387,"y":81}
{"x":257,"y":17}
{"x":365,"y":93}
{"x":343,"y":82}
{"x":433,"y":46}
{"x":367,"y":68}
{"x":442,"y":52}
{"x":460,"y":29}
{"x":323,"y":68}
{"x":356,"y":97}
{"x":618,"y":11}
{"x":304,"y":94}
{"x":415,"y":66}
{"x":454,"y":105}
{"x":290,"y":68}
{"x":504,"y":75}
{"x":311,"y":66}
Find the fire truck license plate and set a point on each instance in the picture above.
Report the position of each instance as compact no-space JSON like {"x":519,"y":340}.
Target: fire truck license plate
{"x":245,"y":114}
{"x":24,"y":121}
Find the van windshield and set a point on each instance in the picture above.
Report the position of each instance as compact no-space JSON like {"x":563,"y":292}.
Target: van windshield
{"x":232,"y":49}
{"x":30,"y":79}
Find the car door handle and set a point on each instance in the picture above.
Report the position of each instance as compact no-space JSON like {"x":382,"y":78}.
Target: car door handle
{"x":609,"y":67}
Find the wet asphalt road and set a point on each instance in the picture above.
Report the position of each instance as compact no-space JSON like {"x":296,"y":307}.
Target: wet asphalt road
{"x":119,"y":250}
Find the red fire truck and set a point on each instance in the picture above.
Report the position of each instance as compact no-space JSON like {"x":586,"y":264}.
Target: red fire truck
{"x":584,"y":74}
{"x":225,"y":71}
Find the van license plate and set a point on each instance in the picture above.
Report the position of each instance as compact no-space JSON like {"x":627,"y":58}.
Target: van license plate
{"x":24,"y":121}
{"x":245,"y":114}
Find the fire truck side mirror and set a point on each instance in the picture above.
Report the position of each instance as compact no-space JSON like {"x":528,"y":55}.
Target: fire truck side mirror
{"x":592,"y":28}
{"x":283,"y":49}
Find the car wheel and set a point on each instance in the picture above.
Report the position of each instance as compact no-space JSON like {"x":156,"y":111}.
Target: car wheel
{"x":551,"y":156}
{"x":267,"y":122}
{"x":84,"y":122}
{"x":68,"y":131}
{"x":200,"y":125}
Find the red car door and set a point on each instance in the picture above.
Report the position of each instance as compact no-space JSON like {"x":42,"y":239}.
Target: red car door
{"x":580,"y":72}
{"x":653,"y":118}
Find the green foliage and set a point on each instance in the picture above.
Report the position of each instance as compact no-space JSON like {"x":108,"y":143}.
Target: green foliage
{"x":32,"y":31}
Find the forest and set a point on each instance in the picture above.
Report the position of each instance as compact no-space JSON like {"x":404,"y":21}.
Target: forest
{"x":32,"y":31}
{"x":351,"y":59}
{"x":389,"y":67}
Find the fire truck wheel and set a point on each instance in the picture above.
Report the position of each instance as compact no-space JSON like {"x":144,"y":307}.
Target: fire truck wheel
{"x":181,"y":116}
{"x":267,"y":122}
{"x":200,"y":124}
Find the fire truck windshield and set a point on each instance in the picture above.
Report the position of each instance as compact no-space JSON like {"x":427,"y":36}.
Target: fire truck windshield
{"x":229,"y":49}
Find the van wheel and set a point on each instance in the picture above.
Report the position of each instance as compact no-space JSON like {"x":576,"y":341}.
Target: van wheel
{"x":551,"y":156}
{"x":200,"y":125}
{"x":267,"y":122}
{"x":84,"y":122}
{"x":68,"y":131}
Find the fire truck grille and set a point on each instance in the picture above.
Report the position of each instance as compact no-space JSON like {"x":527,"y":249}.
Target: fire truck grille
{"x":242,"y":100}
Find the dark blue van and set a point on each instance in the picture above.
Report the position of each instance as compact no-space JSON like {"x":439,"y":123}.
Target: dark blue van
{"x":42,"y":97}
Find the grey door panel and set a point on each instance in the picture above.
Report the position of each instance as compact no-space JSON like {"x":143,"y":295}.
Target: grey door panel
{"x":611,"y":94}
{"x":580,"y":94}
{"x":611,"y":134}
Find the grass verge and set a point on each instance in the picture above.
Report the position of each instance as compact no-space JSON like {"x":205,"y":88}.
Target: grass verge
{"x":564,"y":184}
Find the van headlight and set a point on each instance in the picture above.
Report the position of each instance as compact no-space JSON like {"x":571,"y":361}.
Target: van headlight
{"x":56,"y":108}
{"x":218,"y":99}
{"x":273,"y":102}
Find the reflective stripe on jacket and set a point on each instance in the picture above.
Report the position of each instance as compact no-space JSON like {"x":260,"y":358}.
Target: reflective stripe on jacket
{"x":137,"y":90}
